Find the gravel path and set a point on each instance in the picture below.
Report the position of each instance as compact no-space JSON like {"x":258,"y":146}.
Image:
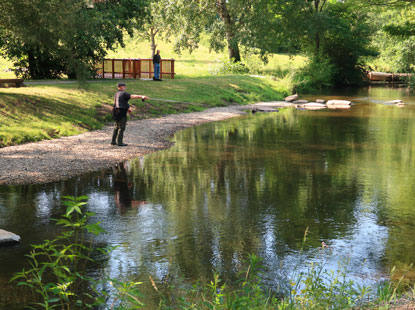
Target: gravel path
{"x":53,"y":160}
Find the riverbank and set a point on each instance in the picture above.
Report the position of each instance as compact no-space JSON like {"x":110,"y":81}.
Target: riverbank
{"x":52,"y":110}
{"x":58,"y":159}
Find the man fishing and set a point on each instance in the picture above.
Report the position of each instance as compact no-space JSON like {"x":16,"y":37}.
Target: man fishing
{"x":120,"y":110}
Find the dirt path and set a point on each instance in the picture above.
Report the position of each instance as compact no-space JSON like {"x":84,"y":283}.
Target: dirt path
{"x":59,"y":159}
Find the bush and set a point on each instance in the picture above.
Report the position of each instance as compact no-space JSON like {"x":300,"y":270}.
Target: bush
{"x":317,"y":74}
{"x":228,"y":66}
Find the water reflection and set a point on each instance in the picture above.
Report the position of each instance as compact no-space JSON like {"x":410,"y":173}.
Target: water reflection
{"x":249,"y":185}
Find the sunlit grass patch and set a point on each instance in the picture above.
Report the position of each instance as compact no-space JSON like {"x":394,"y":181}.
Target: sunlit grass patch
{"x":49,"y":111}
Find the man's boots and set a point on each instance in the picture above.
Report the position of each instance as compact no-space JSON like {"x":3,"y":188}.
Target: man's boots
{"x":120,"y":137}
{"x":114,"y":137}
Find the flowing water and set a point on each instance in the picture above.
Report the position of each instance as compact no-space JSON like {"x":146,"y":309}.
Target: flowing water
{"x":252,"y":184}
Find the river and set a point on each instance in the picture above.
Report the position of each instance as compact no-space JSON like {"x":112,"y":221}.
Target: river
{"x":252,"y":184}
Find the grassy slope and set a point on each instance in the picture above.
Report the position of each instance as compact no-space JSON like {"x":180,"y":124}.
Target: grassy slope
{"x":43,"y":112}
{"x":47,"y":111}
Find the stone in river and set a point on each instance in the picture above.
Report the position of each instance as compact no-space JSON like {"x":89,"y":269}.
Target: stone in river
{"x":291,"y":98}
{"x":7,"y":238}
{"x":313,"y":106}
{"x":263,"y":109}
{"x":321,"y":101}
{"x":338,"y":106}
{"x":300,"y":101}
{"x":399,"y":102}
{"x":339,"y":102}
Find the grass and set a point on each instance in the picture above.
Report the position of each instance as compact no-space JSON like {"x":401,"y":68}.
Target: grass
{"x":202,"y":62}
{"x":5,"y":66}
{"x":197,"y":64}
{"x":50,"y":110}
{"x":53,"y":110}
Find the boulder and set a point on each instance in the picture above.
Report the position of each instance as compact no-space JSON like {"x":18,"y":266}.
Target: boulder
{"x":338,"y":106}
{"x":300,"y":101}
{"x":7,"y":238}
{"x":263,"y":109}
{"x":321,"y":101}
{"x":313,"y":106}
{"x":396,"y":102}
{"x":273,"y":104}
{"x":291,"y":98}
{"x":339,"y":102}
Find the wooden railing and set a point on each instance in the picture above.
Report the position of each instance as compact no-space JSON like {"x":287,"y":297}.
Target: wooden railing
{"x":134,"y":69}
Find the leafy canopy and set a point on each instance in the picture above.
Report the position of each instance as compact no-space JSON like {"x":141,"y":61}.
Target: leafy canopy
{"x":49,"y":38}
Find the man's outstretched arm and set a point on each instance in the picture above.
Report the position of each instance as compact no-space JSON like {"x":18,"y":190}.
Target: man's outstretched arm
{"x":142,"y":97}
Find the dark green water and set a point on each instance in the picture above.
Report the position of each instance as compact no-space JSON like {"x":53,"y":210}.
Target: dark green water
{"x":248,"y":185}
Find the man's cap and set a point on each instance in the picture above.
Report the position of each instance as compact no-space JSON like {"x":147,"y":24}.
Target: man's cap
{"x":121,"y":84}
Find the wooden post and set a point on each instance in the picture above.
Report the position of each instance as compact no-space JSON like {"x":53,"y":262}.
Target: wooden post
{"x":113,"y":69}
{"x":139,"y":68}
{"x":123,"y":68}
{"x":149,"y":69}
{"x":161,"y":69}
{"x":103,"y":69}
{"x":172,"y":68}
{"x":134,"y":61}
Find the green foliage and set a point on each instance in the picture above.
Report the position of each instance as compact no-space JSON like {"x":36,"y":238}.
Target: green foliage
{"x":230,"y":67}
{"x":70,"y":36}
{"x":323,"y":289}
{"x":57,"y":274}
{"x":338,"y":31}
{"x":125,"y":295}
{"x":247,"y":293}
{"x":236,"y":22}
{"x":394,"y":39}
{"x":317,"y":74}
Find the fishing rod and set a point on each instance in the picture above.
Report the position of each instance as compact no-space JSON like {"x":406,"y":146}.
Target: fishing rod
{"x":166,"y":100}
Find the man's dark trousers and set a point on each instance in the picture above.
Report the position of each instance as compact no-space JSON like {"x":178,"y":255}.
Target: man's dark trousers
{"x":119,"y":131}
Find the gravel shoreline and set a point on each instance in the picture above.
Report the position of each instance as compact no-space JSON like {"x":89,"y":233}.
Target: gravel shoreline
{"x":63,"y":158}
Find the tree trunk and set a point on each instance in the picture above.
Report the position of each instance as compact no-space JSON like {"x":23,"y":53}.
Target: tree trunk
{"x":233,"y":48}
{"x":153,"y":44}
{"x":317,"y":43}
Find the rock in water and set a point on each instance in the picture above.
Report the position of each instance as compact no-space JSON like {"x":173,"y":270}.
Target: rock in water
{"x":338,"y":106}
{"x":399,"y":102}
{"x":291,"y":98}
{"x":313,"y":106}
{"x":300,"y":101}
{"x":7,"y":238}
{"x":263,"y":109}
{"x":321,"y":101}
{"x":339,"y":102}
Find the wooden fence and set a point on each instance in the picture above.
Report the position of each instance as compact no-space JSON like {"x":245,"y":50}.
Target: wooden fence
{"x":134,"y":69}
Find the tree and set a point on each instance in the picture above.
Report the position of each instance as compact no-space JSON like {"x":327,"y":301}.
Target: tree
{"x":49,"y":38}
{"x":151,"y":26}
{"x":232,"y":21}
{"x":327,"y":30}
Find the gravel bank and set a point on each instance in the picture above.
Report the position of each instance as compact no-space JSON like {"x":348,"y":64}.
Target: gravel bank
{"x":54,"y":160}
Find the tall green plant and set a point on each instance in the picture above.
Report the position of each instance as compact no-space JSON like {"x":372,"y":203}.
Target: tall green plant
{"x":57,"y":275}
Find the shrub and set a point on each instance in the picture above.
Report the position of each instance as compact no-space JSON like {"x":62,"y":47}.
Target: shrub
{"x":57,"y":274}
{"x":228,"y":66}
{"x":317,"y":74}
